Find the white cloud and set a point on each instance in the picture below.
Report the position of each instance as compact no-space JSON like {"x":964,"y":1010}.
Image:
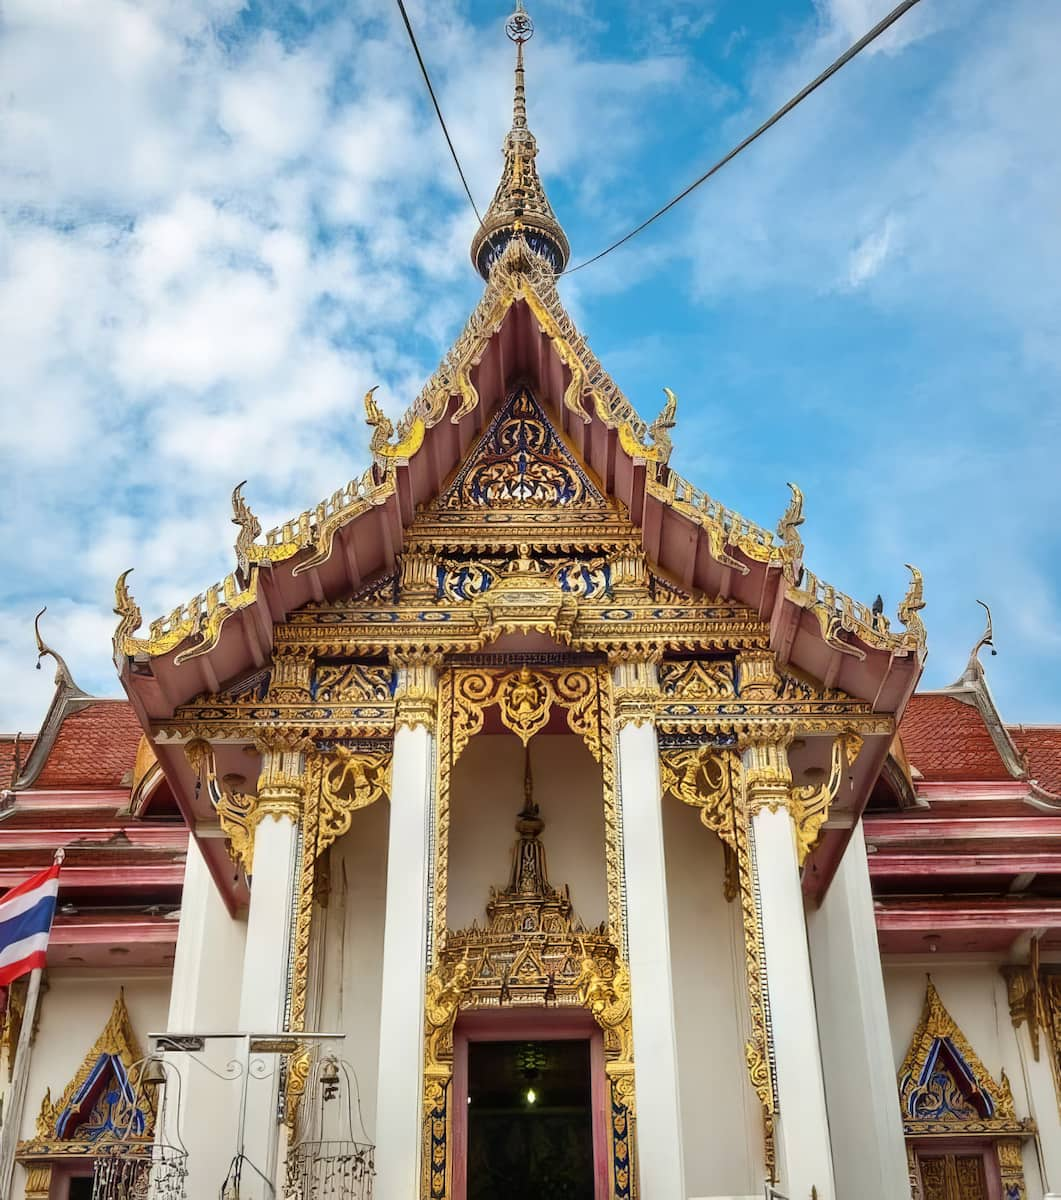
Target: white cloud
{"x":214,"y":237}
{"x":869,"y":255}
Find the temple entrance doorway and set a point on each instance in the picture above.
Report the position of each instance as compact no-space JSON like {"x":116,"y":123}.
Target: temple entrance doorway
{"x":530,"y":1116}
{"x":530,"y":1121}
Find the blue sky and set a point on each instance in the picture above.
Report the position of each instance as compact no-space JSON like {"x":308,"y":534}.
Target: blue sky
{"x":220,"y":223}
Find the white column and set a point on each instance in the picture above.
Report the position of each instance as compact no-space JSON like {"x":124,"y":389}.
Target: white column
{"x":861,"y":1092}
{"x":204,"y":998}
{"x":399,"y":1119}
{"x":267,"y":958}
{"x":802,"y":1126}
{"x":659,"y":1124}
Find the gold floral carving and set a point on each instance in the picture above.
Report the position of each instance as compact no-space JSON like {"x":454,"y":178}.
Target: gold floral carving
{"x":349,"y":781}
{"x":707,"y":778}
{"x":698,"y":679}
{"x":811,"y":804}
{"x":925,"y":1100}
{"x":767,"y":775}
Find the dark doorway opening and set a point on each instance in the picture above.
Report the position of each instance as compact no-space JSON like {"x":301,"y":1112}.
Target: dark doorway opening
{"x":530,"y":1126}
{"x":80,"y":1188}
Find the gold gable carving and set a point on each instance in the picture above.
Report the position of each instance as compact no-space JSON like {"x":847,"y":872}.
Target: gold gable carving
{"x":119,"y":1040}
{"x":521,"y":461}
{"x":948,"y":1101}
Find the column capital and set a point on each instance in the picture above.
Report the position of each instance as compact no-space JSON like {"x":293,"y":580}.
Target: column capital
{"x":281,"y":784}
{"x":416,"y":688}
{"x":635,"y":678}
{"x":767,"y":775}
{"x":757,"y":677}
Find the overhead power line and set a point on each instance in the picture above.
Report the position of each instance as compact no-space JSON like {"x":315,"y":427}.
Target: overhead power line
{"x":897,"y":12}
{"x":438,"y":110}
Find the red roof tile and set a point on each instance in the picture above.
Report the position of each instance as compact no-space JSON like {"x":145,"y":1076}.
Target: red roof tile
{"x":948,"y":740}
{"x":95,"y":747}
{"x":1042,"y":746}
{"x":7,"y":757}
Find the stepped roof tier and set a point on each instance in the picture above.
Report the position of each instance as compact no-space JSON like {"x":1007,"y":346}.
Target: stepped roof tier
{"x":963,"y":828}
{"x":88,"y":782}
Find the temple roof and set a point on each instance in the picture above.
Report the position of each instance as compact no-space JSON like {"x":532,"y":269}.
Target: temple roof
{"x":1041,"y":747}
{"x":520,"y":331}
{"x":947,"y":739}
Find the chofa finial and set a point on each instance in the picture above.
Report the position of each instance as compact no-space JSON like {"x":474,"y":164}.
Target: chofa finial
{"x":249,"y":529}
{"x":974,"y":669}
{"x":788,"y":526}
{"x":911,"y":605}
{"x":127,"y":611}
{"x":63,"y":676}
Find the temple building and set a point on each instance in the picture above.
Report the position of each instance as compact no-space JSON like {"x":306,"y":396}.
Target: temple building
{"x":522,"y":822}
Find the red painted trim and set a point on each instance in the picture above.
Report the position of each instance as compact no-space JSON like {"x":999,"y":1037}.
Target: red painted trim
{"x":119,"y":876}
{"x":67,"y":932}
{"x":135,"y":835}
{"x":882,"y":830}
{"x":993,"y":914}
{"x":972,"y":862}
{"x":956,"y":791}
{"x":60,"y":798}
{"x":531,"y":1024}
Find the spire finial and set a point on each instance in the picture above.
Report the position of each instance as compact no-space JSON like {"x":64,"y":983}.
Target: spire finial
{"x":520,"y":207}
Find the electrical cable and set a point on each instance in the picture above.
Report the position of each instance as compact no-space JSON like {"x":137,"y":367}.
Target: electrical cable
{"x":438,"y":110}
{"x":897,"y":12}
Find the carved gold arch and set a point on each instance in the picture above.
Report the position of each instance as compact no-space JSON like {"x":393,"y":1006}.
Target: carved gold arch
{"x":945,"y":1092}
{"x":525,"y":699}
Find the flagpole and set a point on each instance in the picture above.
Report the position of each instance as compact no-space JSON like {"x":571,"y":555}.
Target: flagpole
{"x":15,"y":1101}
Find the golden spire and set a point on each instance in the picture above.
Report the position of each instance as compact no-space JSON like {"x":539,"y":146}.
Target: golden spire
{"x":520,"y":207}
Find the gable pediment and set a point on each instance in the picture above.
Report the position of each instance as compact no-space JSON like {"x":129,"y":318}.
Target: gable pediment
{"x":521,"y":461}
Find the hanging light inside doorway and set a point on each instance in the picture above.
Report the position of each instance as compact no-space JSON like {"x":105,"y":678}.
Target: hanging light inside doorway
{"x":530,"y":1095}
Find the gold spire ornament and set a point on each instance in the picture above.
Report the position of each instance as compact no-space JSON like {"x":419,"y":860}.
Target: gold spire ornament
{"x":520,"y":207}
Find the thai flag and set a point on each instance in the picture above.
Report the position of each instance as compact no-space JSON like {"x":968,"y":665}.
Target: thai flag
{"x":25,"y":921}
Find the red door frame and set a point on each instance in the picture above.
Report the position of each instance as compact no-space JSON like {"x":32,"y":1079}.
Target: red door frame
{"x":532,"y":1025}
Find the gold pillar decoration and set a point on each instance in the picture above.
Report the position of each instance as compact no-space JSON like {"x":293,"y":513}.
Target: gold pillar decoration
{"x":235,"y":810}
{"x":767,"y":775}
{"x":289,"y":682}
{"x":1011,"y":1168}
{"x":419,"y":575}
{"x":38,"y":1181}
{"x":636,"y":690}
{"x":767,"y":784}
{"x":416,"y":692}
{"x":757,"y":675}
{"x":1025,"y":995}
{"x":281,"y":782}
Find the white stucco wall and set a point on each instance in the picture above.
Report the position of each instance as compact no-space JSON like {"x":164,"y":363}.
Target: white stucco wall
{"x":721,"y":1117}
{"x":347,"y":981}
{"x":487,"y":794}
{"x":974,"y":993}
{"x":73,"y":1013}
